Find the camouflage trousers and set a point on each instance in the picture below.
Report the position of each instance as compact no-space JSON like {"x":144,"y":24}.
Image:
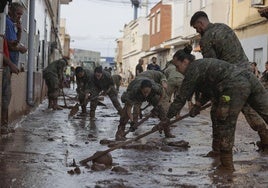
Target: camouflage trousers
{"x":112,"y":95}
{"x":52,"y":82}
{"x":173,"y":87}
{"x":242,"y":91}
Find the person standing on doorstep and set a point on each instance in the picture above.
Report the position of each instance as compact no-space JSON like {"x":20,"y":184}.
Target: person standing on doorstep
{"x":153,"y":65}
{"x":14,"y":31}
{"x":8,"y":68}
{"x":219,"y":41}
{"x":103,"y":82}
{"x":53,"y":75}
{"x":231,"y":88}
{"x":139,"y":68}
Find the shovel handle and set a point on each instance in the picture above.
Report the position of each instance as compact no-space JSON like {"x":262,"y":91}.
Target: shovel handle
{"x":96,"y":155}
{"x":139,"y":123}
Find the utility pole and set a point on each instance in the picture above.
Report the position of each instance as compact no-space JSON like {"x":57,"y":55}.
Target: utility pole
{"x":136,"y":4}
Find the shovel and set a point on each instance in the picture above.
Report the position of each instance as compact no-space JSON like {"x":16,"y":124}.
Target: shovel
{"x":101,"y":153}
{"x":75,"y":108}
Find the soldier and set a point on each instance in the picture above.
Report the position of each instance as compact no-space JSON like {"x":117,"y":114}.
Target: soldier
{"x":159,"y":78}
{"x":140,"y":90}
{"x":103,"y":81}
{"x":117,"y":80}
{"x":219,"y":41}
{"x":231,"y":88}
{"x":174,"y":79}
{"x":84,"y":83}
{"x":53,"y":75}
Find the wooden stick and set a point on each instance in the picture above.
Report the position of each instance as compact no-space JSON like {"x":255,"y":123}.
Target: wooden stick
{"x":99,"y":154}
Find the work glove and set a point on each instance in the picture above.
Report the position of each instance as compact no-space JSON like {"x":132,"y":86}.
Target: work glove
{"x":133,"y":126}
{"x":195,"y":110}
{"x":172,"y":111}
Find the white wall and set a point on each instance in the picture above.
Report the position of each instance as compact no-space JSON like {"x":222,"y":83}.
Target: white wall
{"x":252,"y":43}
{"x":42,"y":18}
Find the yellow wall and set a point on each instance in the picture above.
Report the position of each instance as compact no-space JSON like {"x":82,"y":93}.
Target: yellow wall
{"x":247,"y":18}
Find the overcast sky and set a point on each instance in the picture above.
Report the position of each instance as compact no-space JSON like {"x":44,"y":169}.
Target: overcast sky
{"x":95,"y":24}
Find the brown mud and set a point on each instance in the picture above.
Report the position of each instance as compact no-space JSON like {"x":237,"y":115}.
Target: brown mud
{"x":43,"y":150}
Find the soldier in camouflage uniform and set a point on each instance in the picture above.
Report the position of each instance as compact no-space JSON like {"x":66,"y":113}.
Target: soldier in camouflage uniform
{"x":140,"y":90}
{"x":159,"y":78}
{"x":84,"y":83}
{"x":117,"y":81}
{"x":230,"y":87}
{"x":103,"y":82}
{"x":53,"y":75}
{"x":219,"y":41}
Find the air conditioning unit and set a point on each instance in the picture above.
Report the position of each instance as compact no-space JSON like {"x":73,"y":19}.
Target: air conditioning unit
{"x":257,"y":2}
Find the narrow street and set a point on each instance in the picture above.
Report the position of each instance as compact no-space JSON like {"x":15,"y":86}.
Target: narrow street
{"x":41,"y":152}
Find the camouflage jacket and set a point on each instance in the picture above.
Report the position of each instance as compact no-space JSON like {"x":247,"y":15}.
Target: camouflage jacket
{"x":206,"y":75}
{"x":154,"y":75}
{"x":84,"y":84}
{"x":133,"y":93}
{"x":219,"y":41}
{"x":56,"y":68}
{"x":172,"y":73}
{"x":105,"y":82}
{"x":116,"y":78}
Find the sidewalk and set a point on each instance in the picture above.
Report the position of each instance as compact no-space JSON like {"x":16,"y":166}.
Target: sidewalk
{"x":42,"y":149}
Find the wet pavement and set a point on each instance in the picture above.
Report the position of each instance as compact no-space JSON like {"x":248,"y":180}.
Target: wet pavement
{"x":46,"y":144}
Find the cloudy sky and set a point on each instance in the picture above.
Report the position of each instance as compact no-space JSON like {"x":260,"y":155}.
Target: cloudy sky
{"x":95,"y":24}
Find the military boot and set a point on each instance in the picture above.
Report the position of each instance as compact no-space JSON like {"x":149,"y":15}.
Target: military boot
{"x":167,"y":132}
{"x":4,"y":123}
{"x":215,"y":152}
{"x":226,"y":162}
{"x":263,"y":144}
{"x":50,"y":103}
{"x":55,"y":105}
{"x":84,"y":109}
{"x":92,"y":115}
{"x":120,"y":133}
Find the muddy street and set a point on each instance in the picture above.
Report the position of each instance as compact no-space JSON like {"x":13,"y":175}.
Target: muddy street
{"x":46,"y":144}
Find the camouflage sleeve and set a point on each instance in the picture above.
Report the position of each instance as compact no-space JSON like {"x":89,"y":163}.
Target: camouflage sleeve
{"x":60,"y":69}
{"x":207,"y":48}
{"x":157,"y":89}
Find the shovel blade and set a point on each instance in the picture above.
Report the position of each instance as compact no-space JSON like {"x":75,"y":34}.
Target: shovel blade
{"x":74,"y":110}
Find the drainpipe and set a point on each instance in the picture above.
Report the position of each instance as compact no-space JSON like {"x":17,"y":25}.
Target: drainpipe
{"x":30,"y":54}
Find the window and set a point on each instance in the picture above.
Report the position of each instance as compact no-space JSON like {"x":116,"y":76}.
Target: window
{"x":153,"y":25}
{"x":257,"y":2}
{"x":158,"y":18}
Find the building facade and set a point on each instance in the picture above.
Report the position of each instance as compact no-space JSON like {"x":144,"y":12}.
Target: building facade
{"x":40,"y":35}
